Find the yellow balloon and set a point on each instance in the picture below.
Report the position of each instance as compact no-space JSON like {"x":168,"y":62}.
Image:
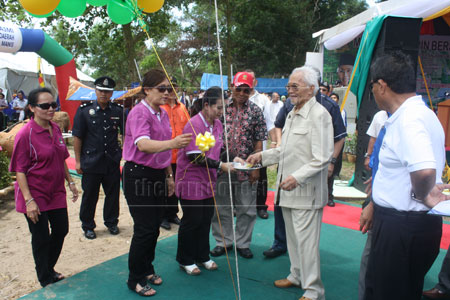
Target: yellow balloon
{"x":38,"y":7}
{"x":150,"y":6}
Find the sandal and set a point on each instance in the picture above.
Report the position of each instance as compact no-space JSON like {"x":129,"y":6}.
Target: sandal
{"x":144,"y":290}
{"x":154,"y":279}
{"x":209,"y":265}
{"x":191,"y":269}
{"x":57,"y":277}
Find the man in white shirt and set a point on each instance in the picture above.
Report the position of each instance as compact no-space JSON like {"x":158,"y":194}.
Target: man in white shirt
{"x":261,"y":191}
{"x":19,"y":104}
{"x":405,"y":239}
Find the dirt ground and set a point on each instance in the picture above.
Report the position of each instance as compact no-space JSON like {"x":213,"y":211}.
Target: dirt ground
{"x":17,"y":273}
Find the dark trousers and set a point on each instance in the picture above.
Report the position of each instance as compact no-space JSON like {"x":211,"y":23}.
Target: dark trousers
{"x":336,"y":172}
{"x":91,"y":186}
{"x":404,"y":246}
{"x":261,"y":190}
{"x":47,"y":245}
{"x":171,"y":209}
{"x":279,"y":243}
{"x":193,"y":234}
{"x":144,"y":189}
{"x":444,"y":275}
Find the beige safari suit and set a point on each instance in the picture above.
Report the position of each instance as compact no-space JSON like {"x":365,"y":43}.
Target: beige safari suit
{"x":305,"y":151}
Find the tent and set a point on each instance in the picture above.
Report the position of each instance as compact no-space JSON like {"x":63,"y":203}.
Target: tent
{"x":265,"y":85}
{"x":19,"y":71}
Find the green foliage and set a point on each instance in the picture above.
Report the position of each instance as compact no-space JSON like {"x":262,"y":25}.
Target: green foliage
{"x":5,"y":176}
{"x":350,"y":143}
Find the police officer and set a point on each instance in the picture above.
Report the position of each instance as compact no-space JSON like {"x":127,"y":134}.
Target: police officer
{"x":97,"y":154}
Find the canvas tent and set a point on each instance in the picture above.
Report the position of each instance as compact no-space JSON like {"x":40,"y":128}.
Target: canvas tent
{"x":19,"y":71}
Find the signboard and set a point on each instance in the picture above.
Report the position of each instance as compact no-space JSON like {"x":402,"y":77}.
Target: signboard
{"x":10,"y":38}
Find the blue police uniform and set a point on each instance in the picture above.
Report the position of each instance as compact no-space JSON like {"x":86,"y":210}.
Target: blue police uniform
{"x":100,"y":160}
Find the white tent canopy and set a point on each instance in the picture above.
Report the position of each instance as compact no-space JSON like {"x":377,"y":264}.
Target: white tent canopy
{"x":343,"y":33}
{"x":19,"y":71}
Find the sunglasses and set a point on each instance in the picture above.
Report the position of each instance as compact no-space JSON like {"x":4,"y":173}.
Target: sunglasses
{"x":46,"y":106}
{"x":164,"y":88}
{"x":245,"y":90}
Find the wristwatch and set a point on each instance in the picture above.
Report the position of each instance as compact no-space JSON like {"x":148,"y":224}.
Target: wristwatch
{"x":413,"y":196}
{"x":333,"y":160}
{"x":367,"y":155}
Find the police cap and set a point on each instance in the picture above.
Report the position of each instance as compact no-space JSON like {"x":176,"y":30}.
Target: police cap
{"x":105,"y":83}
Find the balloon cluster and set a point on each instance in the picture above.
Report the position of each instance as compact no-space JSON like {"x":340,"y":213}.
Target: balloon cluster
{"x":120,"y":11}
{"x":205,"y":142}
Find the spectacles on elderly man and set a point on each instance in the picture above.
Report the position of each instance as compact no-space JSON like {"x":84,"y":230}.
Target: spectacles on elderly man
{"x":294,"y":87}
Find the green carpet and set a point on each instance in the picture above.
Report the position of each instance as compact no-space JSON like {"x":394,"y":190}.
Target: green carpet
{"x":340,"y":250}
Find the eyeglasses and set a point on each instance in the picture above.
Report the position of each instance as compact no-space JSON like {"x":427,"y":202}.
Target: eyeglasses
{"x":372,"y":82}
{"x":245,"y":90}
{"x":164,"y":88}
{"x":46,"y":106}
{"x":294,"y":87}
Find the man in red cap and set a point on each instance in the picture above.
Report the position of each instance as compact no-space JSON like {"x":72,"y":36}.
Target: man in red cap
{"x":246,"y":130}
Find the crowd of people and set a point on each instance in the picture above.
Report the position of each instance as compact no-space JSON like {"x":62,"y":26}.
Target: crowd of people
{"x":304,"y":136}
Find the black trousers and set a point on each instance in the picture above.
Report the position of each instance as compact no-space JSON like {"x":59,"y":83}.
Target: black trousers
{"x":336,"y":172}
{"x":444,"y":275}
{"x":144,"y":189}
{"x":47,"y":245}
{"x":91,"y":186}
{"x":404,"y":246}
{"x":171,"y":209}
{"x":261,"y":190}
{"x":193,"y":234}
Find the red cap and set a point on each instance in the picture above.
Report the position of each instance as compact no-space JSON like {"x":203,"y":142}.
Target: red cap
{"x":243,"y":78}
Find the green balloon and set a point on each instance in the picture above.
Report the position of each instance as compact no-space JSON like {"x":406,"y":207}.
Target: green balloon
{"x":119,"y":12}
{"x":97,"y":2}
{"x":42,"y":16}
{"x":72,"y":8}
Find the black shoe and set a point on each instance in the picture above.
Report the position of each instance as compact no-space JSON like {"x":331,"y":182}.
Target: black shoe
{"x":114,"y":230}
{"x":263,"y":214}
{"x":175,"y":220}
{"x":272,"y":253}
{"x":165,"y":224}
{"x":219,"y":250}
{"x":331,"y":203}
{"x":245,"y":252}
{"x":90,"y":234}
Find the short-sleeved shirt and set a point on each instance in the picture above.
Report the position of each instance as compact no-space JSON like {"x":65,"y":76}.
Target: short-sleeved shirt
{"x":41,"y":157}
{"x":377,"y":123}
{"x":178,"y":117}
{"x":145,"y":123}
{"x":192,"y":181}
{"x":414,"y":141}
{"x":19,"y":103}
{"x":245,"y":127}
{"x":98,"y":129}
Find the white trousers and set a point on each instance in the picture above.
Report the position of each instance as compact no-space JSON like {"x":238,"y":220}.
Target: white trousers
{"x":303,"y":236}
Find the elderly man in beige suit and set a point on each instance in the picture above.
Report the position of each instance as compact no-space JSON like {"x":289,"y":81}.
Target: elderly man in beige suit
{"x":303,"y":157}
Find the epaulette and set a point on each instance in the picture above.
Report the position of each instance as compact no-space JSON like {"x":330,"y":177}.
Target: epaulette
{"x":86,"y":103}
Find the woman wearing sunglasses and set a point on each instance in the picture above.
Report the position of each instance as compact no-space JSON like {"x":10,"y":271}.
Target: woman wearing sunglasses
{"x":194,"y":186}
{"x":39,"y":162}
{"x":147,"y":175}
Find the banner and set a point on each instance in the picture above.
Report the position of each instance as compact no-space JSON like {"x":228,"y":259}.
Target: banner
{"x":10,"y":38}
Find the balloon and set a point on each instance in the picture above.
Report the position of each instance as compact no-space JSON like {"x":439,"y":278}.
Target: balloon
{"x":39,"y":7}
{"x":119,"y":12}
{"x":72,"y":8}
{"x":97,"y":2}
{"x":43,"y":16}
{"x":150,"y":6}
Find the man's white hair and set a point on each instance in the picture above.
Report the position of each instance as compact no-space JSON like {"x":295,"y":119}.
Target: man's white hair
{"x":310,"y":76}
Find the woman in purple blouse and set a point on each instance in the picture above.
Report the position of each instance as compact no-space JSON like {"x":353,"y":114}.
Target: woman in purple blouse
{"x":39,"y":162}
{"x":194,"y":186}
{"x":147,"y":175}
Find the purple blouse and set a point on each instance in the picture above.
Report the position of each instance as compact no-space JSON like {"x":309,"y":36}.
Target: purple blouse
{"x":144,"y":122}
{"x":192,"y":181}
{"x":41,"y":157}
